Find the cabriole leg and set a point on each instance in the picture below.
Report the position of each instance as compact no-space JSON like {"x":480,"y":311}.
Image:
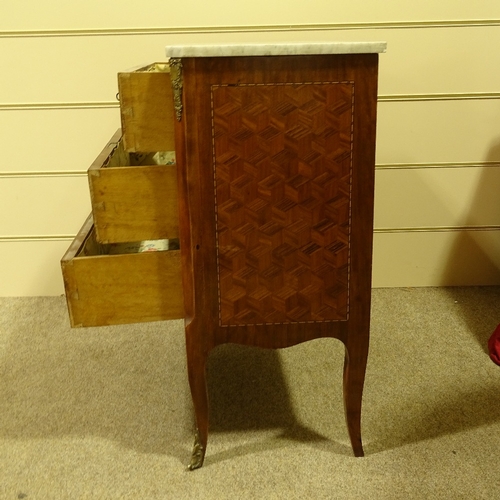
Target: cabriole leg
{"x":354,"y":376}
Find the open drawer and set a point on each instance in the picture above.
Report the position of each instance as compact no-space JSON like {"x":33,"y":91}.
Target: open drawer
{"x":147,"y":108}
{"x":134,"y":196}
{"x":105,"y":287}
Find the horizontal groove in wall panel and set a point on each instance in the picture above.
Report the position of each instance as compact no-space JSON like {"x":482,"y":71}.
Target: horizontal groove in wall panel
{"x":447,"y":165}
{"x":437,"y":197}
{"x":419,"y":64}
{"x":36,"y":238}
{"x":436,"y":259}
{"x":41,"y":106}
{"x":55,"y":140}
{"x":434,"y":229}
{"x":448,"y":131}
{"x":471,"y":96}
{"x":31,"y":268}
{"x":93,"y":16}
{"x":57,"y":173}
{"x":377,"y":230}
{"x":38,"y":206}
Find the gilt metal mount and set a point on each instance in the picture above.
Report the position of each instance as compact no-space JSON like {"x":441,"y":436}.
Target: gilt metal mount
{"x":176,"y":78}
{"x":198,"y":453}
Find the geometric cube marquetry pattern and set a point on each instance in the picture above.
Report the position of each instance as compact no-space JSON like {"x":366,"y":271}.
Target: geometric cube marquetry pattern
{"x":282,"y":156}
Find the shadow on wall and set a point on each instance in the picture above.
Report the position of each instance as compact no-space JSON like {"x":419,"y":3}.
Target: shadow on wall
{"x":475,"y":257}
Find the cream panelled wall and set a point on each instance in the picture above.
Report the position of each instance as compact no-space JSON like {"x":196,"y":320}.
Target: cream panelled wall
{"x":437,"y":213}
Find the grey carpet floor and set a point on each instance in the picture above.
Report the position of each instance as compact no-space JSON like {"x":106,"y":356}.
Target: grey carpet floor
{"x":105,"y":413}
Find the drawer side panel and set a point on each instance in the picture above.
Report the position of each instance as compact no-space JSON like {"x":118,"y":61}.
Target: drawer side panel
{"x":135,"y":203}
{"x":121,"y":289}
{"x":147,"y":113}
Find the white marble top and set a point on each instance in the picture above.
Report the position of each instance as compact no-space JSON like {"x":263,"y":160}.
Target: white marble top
{"x":275,"y":49}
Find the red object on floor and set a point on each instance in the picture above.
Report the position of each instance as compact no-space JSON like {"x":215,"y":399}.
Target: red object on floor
{"x":494,"y":346}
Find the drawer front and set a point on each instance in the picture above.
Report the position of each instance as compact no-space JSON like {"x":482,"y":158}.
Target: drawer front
{"x":147,"y":108}
{"x":103,"y":289}
{"x":133,"y":198}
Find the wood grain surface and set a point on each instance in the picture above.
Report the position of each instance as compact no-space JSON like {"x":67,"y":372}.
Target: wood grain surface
{"x":275,"y":163}
{"x":133,"y":198}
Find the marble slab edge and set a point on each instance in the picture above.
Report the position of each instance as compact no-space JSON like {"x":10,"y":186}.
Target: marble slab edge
{"x":278,"y":49}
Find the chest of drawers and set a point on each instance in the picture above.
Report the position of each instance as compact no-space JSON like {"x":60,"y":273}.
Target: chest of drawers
{"x":272,"y":204}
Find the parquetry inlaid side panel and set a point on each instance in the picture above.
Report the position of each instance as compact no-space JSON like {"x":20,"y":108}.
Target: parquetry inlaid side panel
{"x":282,"y":156}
